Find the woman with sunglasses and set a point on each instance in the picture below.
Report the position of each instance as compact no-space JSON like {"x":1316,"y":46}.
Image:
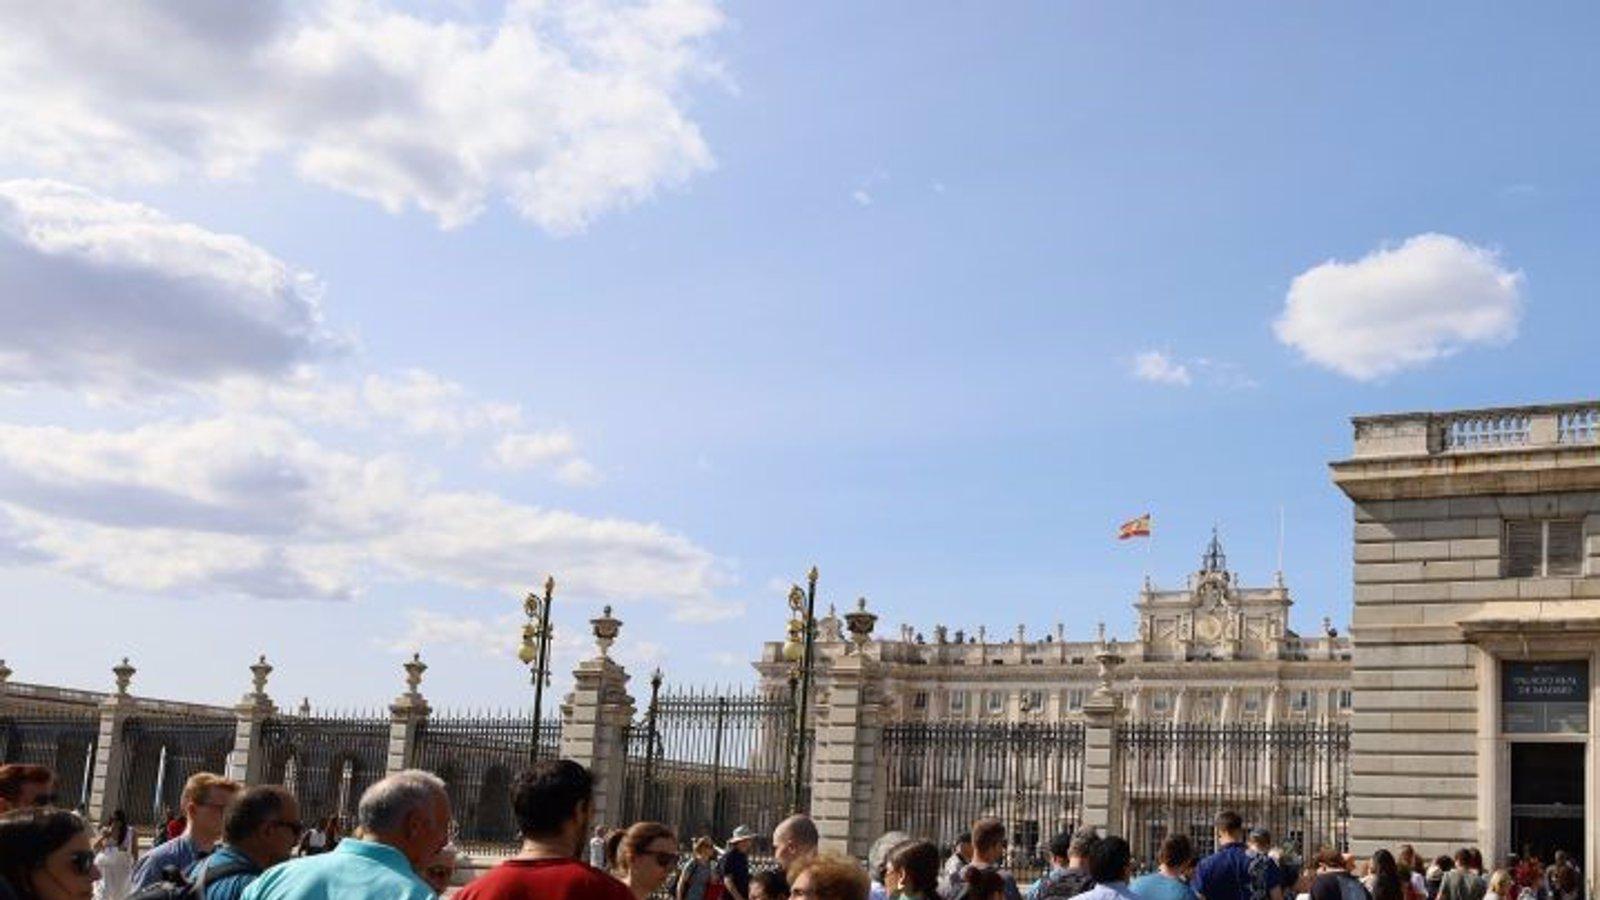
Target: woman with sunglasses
{"x":45,"y":854}
{"x":647,"y":855}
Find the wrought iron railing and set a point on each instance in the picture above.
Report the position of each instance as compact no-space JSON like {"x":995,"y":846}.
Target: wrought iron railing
{"x":479,"y":757}
{"x":326,"y":761}
{"x":159,"y":753}
{"x":1292,"y":779}
{"x":63,"y":741}
{"x":940,"y":777}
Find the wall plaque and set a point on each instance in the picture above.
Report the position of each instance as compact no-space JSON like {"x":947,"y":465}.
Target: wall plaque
{"x":1544,"y":697}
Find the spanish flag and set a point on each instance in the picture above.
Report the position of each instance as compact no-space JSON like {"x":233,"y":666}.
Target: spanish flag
{"x":1133,"y":528}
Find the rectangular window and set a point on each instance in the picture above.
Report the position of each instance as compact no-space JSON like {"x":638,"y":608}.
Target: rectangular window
{"x":919,"y":700}
{"x":1300,"y":701}
{"x":1535,"y":548}
{"x":1252,"y":701}
{"x":995,"y":702}
{"x":1345,"y":699}
{"x":958,"y":702}
{"x":1032,"y":701}
{"x":1075,"y":698}
{"x":1159,"y":701}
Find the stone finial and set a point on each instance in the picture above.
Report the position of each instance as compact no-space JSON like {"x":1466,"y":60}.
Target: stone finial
{"x":1100,"y":634}
{"x":5,"y":673}
{"x":258,"y":675}
{"x":124,"y":675}
{"x":414,"y":668}
{"x":1061,"y":632}
{"x":305,"y":706}
{"x":606,"y":628}
{"x":1022,"y":634}
{"x":940,"y":634}
{"x":860,"y":622}
{"x":1108,"y":659}
{"x":983,"y":635}
{"x":412,"y":703}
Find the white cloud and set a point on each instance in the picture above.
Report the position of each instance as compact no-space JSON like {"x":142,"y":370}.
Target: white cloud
{"x":567,"y":109}
{"x":1159,"y":368}
{"x":106,"y":294}
{"x":861,"y":197}
{"x":530,"y":450}
{"x":578,"y":473}
{"x":1401,"y":307}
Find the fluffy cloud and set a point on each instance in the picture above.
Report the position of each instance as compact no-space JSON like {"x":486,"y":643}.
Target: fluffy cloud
{"x":565,"y":108}
{"x":1159,"y":368}
{"x":106,"y":294}
{"x":1401,"y":307}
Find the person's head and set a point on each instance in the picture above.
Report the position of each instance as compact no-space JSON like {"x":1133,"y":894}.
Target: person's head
{"x":1229,"y":827}
{"x":1477,"y":859}
{"x":600,"y":832}
{"x":1083,"y":840}
{"x":1260,"y":839}
{"x":263,"y":823}
{"x":963,"y":845}
{"x":878,"y":853}
{"x":1500,"y":883}
{"x":1384,"y":865}
{"x":1406,"y":856}
{"x":769,"y":884}
{"x":1464,"y":858}
{"x":794,"y":842}
{"x":1444,"y":863}
{"x":647,"y":854}
{"x":410,"y":812}
{"x":1566,"y":878}
{"x":1331,"y":860}
{"x":1176,"y":854}
{"x":829,"y":876}
{"x":23,"y":785}
{"x":612,"y":848}
{"x":440,"y":871}
{"x":47,"y":854}
{"x":983,"y":883}
{"x":1560,"y":857}
{"x":914,"y":867}
{"x":205,"y":800}
{"x":704,"y":849}
{"x":554,"y":802}
{"x":988,"y":841}
{"x":1110,"y":860}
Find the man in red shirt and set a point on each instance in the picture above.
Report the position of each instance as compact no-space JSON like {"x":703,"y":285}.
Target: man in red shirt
{"x":554,"y":803}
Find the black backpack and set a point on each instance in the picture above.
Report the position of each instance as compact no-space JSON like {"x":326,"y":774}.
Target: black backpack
{"x":173,"y":886}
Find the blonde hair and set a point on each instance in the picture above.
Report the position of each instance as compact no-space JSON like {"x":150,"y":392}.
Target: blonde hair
{"x":201,"y":783}
{"x":834,"y":877}
{"x":1499,"y":881}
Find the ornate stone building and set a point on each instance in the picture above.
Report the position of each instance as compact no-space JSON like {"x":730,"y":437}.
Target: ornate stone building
{"x":1212,"y":651}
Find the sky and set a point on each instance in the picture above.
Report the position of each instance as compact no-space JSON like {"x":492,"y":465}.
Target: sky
{"x":329,"y":329}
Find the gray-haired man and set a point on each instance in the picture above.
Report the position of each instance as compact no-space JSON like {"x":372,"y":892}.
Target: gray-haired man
{"x":404,"y":820}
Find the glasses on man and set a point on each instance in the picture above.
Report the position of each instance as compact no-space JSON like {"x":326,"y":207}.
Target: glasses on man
{"x":82,"y":861}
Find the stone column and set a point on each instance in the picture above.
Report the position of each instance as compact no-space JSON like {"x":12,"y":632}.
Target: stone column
{"x":848,"y":792}
{"x":595,"y":720}
{"x":1102,"y":765}
{"x":406,"y":715}
{"x":247,"y":763}
{"x":105,"y":792}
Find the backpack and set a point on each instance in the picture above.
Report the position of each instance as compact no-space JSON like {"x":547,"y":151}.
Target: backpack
{"x":173,"y":886}
{"x":1258,"y":872}
{"x":1070,"y":883}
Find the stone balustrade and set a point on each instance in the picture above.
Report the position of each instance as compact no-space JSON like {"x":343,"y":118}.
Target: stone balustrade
{"x":1498,"y":429}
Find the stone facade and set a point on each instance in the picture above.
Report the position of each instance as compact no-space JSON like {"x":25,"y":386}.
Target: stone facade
{"x":1476,"y":546}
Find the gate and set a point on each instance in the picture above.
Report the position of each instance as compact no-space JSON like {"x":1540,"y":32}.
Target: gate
{"x":1292,"y":779}
{"x":159,"y":754}
{"x":940,"y":777}
{"x":479,"y":757}
{"x":326,"y":762}
{"x":65,"y":742}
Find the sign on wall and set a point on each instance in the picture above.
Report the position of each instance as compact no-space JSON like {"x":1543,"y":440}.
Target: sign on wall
{"x":1544,"y":697}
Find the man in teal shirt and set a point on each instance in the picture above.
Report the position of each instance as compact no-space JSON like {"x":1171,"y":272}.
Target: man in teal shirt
{"x":404,"y":820}
{"x":259,"y":830}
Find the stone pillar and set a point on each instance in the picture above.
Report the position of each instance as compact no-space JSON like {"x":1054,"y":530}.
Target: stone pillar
{"x":406,"y":715}
{"x":247,"y":763}
{"x":848,"y":792}
{"x":1102,"y":765}
{"x":595,"y":720}
{"x":105,"y":792}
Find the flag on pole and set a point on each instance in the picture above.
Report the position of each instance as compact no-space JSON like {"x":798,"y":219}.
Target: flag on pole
{"x":1133,"y":528}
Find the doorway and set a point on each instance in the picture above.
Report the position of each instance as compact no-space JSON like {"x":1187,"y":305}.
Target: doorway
{"x":1547,"y":798}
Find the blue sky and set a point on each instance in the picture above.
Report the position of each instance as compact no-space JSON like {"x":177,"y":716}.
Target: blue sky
{"x":930,"y":295}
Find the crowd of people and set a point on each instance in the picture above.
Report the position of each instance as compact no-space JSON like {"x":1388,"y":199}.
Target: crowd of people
{"x":233,"y":842}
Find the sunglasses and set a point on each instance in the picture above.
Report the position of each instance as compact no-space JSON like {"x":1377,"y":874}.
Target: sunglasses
{"x":82,"y":861}
{"x":663,"y":858}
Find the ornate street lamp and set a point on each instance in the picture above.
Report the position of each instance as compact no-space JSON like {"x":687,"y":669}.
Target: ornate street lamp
{"x":797,"y":651}
{"x":535,"y":652}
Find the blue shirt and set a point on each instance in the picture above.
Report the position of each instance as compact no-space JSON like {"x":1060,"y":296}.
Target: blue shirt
{"x":1154,"y":886}
{"x":1225,"y":874}
{"x":355,"y":870}
{"x":228,"y":887}
{"x":1116,"y":890}
{"x":179,"y":853}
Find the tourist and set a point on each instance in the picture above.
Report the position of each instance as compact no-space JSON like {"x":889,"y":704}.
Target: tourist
{"x":114,"y":857}
{"x":554,"y":805}
{"x":1384,"y":881}
{"x":1227,"y":874}
{"x":1528,"y":872}
{"x":1264,"y":875}
{"x":1334,"y":880}
{"x":1502,"y":886}
{"x":878,"y":861}
{"x":697,"y":871}
{"x":647,"y":855}
{"x":164,"y":830}
{"x":912,"y":871}
{"x":1564,"y":881}
{"x":404,"y":819}
{"x":734,"y":867}
{"x":1171,"y":880}
{"x":988,"y":850}
{"x":176,"y":826}
{"x":1302,"y":884}
{"x":205,"y":797}
{"x":1441,"y":865}
{"x":979,"y":883}
{"x":1069,"y":868}
{"x":23,"y":785}
{"x":597,"y":848}
{"x":828,"y":877}
{"x":45,"y":854}
{"x":1411,"y":870}
{"x":440,"y":872}
{"x":1110,"y":865}
{"x":613,"y":847}
{"x":769,"y":884}
{"x":794,"y":842}
{"x":960,"y":856}
{"x":1465,"y":881}
{"x":259,"y":830}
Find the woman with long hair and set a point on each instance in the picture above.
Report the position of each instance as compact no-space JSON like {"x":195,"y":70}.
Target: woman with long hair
{"x":1385,"y":875}
{"x":646,"y":855}
{"x":697,"y":872}
{"x":45,"y":854}
{"x":912,"y":871}
{"x":114,"y":858}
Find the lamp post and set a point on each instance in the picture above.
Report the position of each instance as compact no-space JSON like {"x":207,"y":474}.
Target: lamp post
{"x":797,"y":650}
{"x":535,"y":652}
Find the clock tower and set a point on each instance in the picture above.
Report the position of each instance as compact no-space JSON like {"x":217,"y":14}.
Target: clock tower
{"x":1214,"y":617}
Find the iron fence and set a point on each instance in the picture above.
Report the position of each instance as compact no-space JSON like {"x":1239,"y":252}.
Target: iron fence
{"x":63,"y":741}
{"x":704,"y":762}
{"x":159,"y":753}
{"x":1292,"y":779}
{"x":479,"y":756}
{"x":939,"y":777}
{"x":326,"y":761}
